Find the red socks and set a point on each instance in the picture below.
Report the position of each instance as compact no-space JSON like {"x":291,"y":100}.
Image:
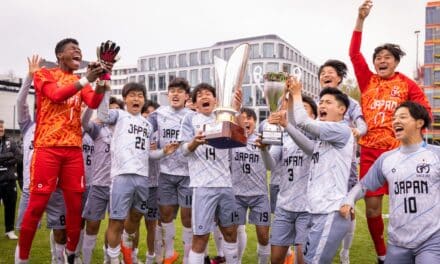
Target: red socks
{"x":376,"y":228}
{"x":34,"y":211}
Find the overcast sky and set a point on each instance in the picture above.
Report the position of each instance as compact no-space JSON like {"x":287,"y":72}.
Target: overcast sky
{"x":320,"y":29}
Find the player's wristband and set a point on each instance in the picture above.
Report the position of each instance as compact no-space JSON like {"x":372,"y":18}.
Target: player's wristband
{"x":83,"y":82}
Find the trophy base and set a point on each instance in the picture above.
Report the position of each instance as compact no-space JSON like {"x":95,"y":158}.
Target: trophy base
{"x":272,"y":135}
{"x":225,"y":135}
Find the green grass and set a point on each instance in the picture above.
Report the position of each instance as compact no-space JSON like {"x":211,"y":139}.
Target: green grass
{"x":361,"y":252}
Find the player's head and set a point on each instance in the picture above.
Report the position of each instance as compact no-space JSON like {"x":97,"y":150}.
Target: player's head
{"x":249,"y":119}
{"x":116,"y":103}
{"x":149,"y":107}
{"x":178,"y":92}
{"x":68,"y":54}
{"x":310,"y":106}
{"x":203,"y":96}
{"x":134,"y":97}
{"x":2,"y":128}
{"x":331,"y":73}
{"x":409,"y":119}
{"x":386,"y":58}
{"x":332,"y":105}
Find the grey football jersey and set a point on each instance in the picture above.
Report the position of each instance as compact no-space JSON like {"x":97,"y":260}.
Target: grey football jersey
{"x":208,"y":166}
{"x":88,"y":150}
{"x":413,"y":175}
{"x":154,"y":166}
{"x":295,"y":171}
{"x":330,"y":167}
{"x":101,"y":156}
{"x":248,"y":170}
{"x":167,"y":121}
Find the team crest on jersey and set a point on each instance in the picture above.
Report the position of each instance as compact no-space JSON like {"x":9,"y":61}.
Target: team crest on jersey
{"x":423,"y":169}
{"x":395,"y":91}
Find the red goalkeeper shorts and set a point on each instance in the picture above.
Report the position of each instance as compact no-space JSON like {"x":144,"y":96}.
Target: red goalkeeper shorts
{"x":367,"y":158}
{"x":52,"y":166}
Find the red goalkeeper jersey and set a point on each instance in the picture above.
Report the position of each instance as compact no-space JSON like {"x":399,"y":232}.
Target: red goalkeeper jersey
{"x":58,"y":122}
{"x":380,"y":97}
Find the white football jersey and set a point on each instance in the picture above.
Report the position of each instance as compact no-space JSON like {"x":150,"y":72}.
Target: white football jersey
{"x":413,"y":176}
{"x":154,"y":166}
{"x":130,"y":144}
{"x":208,"y":166}
{"x":248,"y":170}
{"x":167,"y":121}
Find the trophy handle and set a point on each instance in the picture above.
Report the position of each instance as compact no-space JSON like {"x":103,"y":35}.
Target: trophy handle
{"x":296,"y":72}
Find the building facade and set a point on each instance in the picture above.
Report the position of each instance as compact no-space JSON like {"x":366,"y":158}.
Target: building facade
{"x":431,"y":67}
{"x":268,"y":53}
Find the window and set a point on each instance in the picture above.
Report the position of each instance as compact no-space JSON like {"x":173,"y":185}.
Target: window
{"x":437,"y":77}
{"x":162,"y":63}
{"x":143,"y":65}
{"x":272,"y":67}
{"x":151,"y":83}
{"x":263,"y":114}
{"x":172,"y":61}
{"x":171,"y":76}
{"x":281,"y":51}
{"x":247,"y":95}
{"x":141,"y":79}
{"x":216,"y":53}
{"x":259,"y":97}
{"x":183,"y":74}
{"x":204,"y":57}
{"x":427,"y":77}
{"x":152,"y":64}
{"x":193,"y":77}
{"x":162,"y":82}
{"x":227,"y":53}
{"x":132,"y":78}
{"x":193,"y":60}
{"x":206,"y":77}
{"x":286,"y":67}
{"x":254,"y":52}
{"x":153,"y":98}
{"x":433,"y":15}
{"x":268,"y":51}
{"x":182,"y":60}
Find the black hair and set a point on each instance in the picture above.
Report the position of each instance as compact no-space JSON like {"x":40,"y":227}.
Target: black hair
{"x":119,"y":102}
{"x":312,"y":103}
{"x":200,"y":87}
{"x":417,"y":111}
{"x":394,"y":49}
{"x":249,"y":112}
{"x":133,"y":86}
{"x":1,"y":121}
{"x":338,"y":94}
{"x":62,"y":43}
{"x":147,"y":104}
{"x":181,"y":83}
{"x":339,"y":66}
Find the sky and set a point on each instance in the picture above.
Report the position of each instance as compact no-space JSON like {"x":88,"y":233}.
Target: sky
{"x":320,"y":29}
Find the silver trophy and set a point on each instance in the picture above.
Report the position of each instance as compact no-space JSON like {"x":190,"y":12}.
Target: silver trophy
{"x":225,"y":132}
{"x":274,"y":85}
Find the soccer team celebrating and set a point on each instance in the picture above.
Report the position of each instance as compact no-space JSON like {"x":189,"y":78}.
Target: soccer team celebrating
{"x":137,"y":160}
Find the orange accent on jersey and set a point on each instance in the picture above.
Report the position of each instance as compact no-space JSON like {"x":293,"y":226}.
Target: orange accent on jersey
{"x":58,"y":113}
{"x":379,"y":101}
